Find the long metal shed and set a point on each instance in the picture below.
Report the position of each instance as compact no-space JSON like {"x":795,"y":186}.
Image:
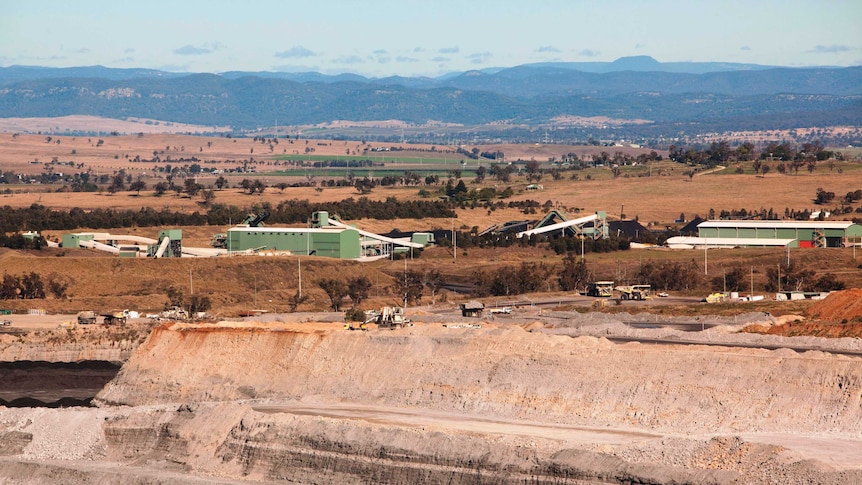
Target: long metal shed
{"x":805,"y":233}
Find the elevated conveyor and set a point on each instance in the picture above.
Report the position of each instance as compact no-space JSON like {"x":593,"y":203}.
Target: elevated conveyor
{"x":559,"y":226}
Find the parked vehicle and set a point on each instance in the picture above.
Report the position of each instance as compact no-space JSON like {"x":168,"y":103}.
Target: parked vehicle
{"x":86,"y":318}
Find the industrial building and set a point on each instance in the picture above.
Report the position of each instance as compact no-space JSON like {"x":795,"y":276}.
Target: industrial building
{"x":752,"y":233}
{"x":327,"y":237}
{"x":168,"y":245}
{"x":555,"y":223}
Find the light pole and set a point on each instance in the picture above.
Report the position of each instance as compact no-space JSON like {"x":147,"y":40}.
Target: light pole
{"x":454,"y":241}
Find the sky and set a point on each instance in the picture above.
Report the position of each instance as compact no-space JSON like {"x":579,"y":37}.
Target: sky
{"x":379,"y":38}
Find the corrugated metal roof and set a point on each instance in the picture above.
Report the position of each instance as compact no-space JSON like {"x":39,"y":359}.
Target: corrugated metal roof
{"x":287,"y":229}
{"x":726,"y":242}
{"x":779,"y":224}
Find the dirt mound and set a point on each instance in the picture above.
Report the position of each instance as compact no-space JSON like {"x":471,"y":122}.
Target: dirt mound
{"x":840,"y":306}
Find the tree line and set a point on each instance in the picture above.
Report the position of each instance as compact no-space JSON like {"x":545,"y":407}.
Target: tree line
{"x":39,"y":218}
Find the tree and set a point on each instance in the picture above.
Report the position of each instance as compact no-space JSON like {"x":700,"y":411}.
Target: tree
{"x":757,"y":165}
{"x":32,"y":286}
{"x":574,"y":273}
{"x":336,"y":290}
{"x":434,"y":281}
{"x":57,"y":287}
{"x":793,"y":277}
{"x":294,"y":301}
{"x":161,"y":187}
{"x":192,"y":187}
{"x":357,"y":289}
{"x":10,"y":288}
{"x":199,"y":303}
{"x":138,"y":186}
{"x":532,"y":168}
{"x":221,"y":182}
{"x":735,"y":279}
{"x":409,"y":287}
{"x":208,"y":196}
{"x":480,"y":175}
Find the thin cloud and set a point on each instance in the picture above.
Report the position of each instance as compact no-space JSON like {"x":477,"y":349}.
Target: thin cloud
{"x":449,"y":50}
{"x":745,"y":48}
{"x":640,"y":45}
{"x":547,"y":48}
{"x":406,"y":59}
{"x":190,"y":50}
{"x":588,"y":53}
{"x":418,"y":49}
{"x":82,"y":50}
{"x":440,"y":59}
{"x":294,"y":52}
{"x":830,"y":49}
{"x":383,"y":59}
{"x":349,"y":60}
{"x":380,"y":52}
{"x":129,"y":51}
{"x":479,"y":57}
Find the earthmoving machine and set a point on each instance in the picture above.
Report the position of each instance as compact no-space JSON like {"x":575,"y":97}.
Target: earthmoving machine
{"x":115,"y":318}
{"x":86,"y":318}
{"x":633,"y":292}
{"x":600,"y":288}
{"x":391,"y":317}
{"x":174,"y":313}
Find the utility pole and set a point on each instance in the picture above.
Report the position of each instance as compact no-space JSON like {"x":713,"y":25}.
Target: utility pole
{"x":299,"y":268}
{"x":752,"y":281}
{"x":779,"y":278}
{"x":454,"y":242}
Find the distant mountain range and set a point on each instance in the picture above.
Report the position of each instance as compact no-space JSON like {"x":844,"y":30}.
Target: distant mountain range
{"x":630,"y":88}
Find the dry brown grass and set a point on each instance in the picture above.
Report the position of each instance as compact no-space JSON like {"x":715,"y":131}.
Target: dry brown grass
{"x":657,"y":198}
{"x":106,"y":282}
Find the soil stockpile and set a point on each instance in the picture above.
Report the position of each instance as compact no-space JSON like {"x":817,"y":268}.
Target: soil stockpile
{"x":839,"y":307}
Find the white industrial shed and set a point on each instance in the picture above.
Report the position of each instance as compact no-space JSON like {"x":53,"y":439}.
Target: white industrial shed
{"x":688,"y":242}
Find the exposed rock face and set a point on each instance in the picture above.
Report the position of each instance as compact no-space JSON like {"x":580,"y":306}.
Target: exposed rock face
{"x":502,"y":372}
{"x":311,"y":403}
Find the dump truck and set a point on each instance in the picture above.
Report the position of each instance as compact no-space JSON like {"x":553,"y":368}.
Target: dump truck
{"x":115,"y":318}
{"x":86,"y":318}
{"x":633,"y":292}
{"x":600,"y":288}
{"x":472,"y":309}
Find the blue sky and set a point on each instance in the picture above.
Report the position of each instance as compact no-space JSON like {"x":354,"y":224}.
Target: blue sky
{"x":407,"y":37}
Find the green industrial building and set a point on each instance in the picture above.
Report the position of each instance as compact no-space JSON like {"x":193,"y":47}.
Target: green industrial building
{"x":332,"y":242}
{"x":326,"y":237}
{"x":823,"y":234}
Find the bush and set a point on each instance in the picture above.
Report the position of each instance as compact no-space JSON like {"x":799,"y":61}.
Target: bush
{"x":354,"y":315}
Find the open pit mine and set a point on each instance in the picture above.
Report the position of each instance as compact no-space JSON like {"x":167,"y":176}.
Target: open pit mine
{"x":496,"y":403}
